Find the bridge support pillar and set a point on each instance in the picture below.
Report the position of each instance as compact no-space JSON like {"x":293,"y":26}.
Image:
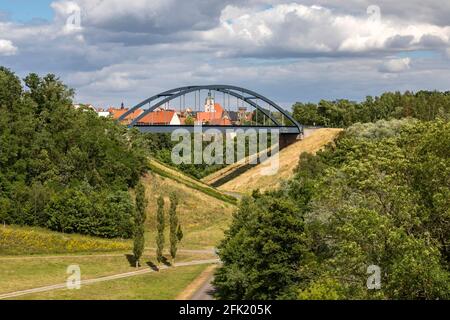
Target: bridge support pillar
{"x":287,"y":139}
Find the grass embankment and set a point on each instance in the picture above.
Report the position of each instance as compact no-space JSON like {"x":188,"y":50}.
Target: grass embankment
{"x":27,"y":240}
{"x":203,"y":218}
{"x":164,"y":285}
{"x":232,"y":171}
{"x":288,"y":157}
{"x":171,"y":173}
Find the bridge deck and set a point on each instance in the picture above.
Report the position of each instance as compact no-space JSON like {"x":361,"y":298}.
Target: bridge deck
{"x":224,"y":129}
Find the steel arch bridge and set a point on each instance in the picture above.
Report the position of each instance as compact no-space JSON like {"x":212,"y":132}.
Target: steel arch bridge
{"x":292,"y":127}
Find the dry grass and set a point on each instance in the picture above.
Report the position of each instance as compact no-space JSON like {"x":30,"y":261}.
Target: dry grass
{"x":203,"y":218}
{"x":289,"y":157}
{"x":16,"y":240}
{"x":171,"y":173}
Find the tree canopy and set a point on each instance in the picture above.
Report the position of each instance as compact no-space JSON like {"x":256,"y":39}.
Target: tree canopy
{"x":63,"y":168}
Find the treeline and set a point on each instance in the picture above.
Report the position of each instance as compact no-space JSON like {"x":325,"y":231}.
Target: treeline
{"x":423,"y":105}
{"x":378,"y":198}
{"x":65,"y":169}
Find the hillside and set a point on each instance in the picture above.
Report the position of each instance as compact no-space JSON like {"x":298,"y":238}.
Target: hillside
{"x":203,"y":217}
{"x":172,"y":173}
{"x":252,"y":179}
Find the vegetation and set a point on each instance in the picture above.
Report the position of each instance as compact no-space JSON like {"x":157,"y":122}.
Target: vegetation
{"x":15,"y":240}
{"x":378,"y":196}
{"x":423,"y":105}
{"x":164,"y":285}
{"x":203,"y":218}
{"x":22,"y":273}
{"x":176,"y":234}
{"x":65,"y":169}
{"x":139,"y":220}
{"x":168,"y":172}
{"x":160,"y":225}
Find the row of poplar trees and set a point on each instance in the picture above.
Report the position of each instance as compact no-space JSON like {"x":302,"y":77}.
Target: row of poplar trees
{"x":176,"y":233}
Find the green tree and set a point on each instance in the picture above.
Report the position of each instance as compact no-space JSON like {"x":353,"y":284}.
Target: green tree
{"x":62,"y":168}
{"x":262,"y":250}
{"x":139,"y":229}
{"x":174,"y":226}
{"x":160,"y":226}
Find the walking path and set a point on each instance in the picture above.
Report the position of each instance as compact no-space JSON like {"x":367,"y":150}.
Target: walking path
{"x":102,"y":279}
{"x":206,"y":291}
{"x":192,"y":291}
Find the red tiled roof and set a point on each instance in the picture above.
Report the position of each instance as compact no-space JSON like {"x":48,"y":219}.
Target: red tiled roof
{"x":220,"y":122}
{"x":117,"y":113}
{"x":158,"y":117}
{"x":210,"y":116}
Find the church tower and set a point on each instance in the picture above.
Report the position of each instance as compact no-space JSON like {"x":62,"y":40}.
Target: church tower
{"x":209,"y":103}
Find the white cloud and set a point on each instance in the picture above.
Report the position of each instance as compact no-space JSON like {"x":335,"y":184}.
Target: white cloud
{"x":127,"y":50}
{"x":299,"y":30}
{"x":395,"y":65}
{"x":7,"y":48}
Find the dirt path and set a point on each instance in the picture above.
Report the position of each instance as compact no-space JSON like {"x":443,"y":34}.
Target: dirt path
{"x":102,"y":279}
{"x":196,"y":286}
{"x":205,"y":292}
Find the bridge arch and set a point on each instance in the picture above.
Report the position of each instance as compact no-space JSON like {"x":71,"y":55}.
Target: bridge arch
{"x":235,"y":91}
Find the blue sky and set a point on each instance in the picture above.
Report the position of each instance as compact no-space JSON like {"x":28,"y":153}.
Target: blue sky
{"x":288,"y":50}
{"x":27,"y":10}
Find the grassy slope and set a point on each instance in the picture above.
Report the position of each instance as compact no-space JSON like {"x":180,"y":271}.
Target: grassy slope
{"x":169,"y":172}
{"x":252,"y":179}
{"x":16,"y":240}
{"x":164,"y":285}
{"x":202,"y":217}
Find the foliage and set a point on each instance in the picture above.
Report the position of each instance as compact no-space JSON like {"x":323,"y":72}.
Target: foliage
{"x":423,"y":105}
{"x":378,"y":196}
{"x":160,"y":226}
{"x":174,"y":226}
{"x":262,"y":250}
{"x":62,"y":168}
{"x":139,"y":220}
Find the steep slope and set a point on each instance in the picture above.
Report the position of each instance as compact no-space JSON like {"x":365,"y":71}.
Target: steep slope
{"x":169,"y":172}
{"x":289,"y":157}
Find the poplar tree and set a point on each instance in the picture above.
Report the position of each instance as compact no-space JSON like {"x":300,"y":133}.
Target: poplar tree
{"x":139,"y":219}
{"x":174,"y":226}
{"x":160,"y":225}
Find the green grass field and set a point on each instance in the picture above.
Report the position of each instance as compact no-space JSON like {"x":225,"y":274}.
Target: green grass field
{"x":23,"y":273}
{"x":164,"y":285}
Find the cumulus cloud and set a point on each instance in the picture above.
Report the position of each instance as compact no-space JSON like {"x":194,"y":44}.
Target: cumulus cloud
{"x":7,"y":48}
{"x":299,"y":30}
{"x":395,"y":65}
{"x":287,"y":49}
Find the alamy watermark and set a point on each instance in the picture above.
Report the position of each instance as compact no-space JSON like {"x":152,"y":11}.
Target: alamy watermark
{"x":374,"y":13}
{"x":74,"y":279}
{"x":228,"y":148}
{"x":374,"y":279}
